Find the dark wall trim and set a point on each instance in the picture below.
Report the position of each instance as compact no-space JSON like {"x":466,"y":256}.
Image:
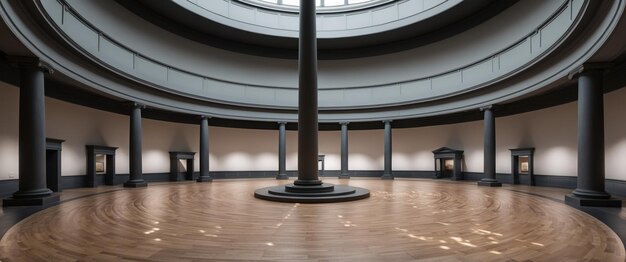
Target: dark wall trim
{"x":557,"y":96}
{"x":615,"y":187}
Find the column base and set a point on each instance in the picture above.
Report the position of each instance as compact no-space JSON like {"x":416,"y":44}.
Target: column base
{"x":489,"y":183}
{"x":387,"y":177}
{"x":136,"y":183}
{"x":590,"y":194}
{"x":44,"y":201}
{"x":575,"y":201}
{"x":35,"y":193}
{"x":324,"y":193}
{"x":282,"y":177}
{"x":204,"y":179}
{"x":344,"y":176}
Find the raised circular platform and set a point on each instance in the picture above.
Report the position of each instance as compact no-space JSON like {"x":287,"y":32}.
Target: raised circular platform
{"x":324,"y":193}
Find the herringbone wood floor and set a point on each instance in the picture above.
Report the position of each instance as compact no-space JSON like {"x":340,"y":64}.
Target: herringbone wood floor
{"x":403,"y":220}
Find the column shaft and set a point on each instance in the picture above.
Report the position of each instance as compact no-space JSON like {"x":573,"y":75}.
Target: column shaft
{"x":590,"y":136}
{"x":387,"y":173}
{"x":204,"y":151}
{"x":282,"y":151}
{"x":32,"y":135}
{"x":344,"y":151}
{"x":307,"y":98}
{"x":135,"y":157}
{"x":489,"y":165}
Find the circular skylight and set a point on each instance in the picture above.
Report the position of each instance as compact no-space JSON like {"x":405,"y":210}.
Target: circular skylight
{"x":323,"y":6}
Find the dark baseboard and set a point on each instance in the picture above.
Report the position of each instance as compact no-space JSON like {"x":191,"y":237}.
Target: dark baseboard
{"x":8,"y":187}
{"x":614,"y":187}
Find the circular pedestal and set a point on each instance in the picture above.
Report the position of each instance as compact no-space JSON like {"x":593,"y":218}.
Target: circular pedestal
{"x":325,"y":193}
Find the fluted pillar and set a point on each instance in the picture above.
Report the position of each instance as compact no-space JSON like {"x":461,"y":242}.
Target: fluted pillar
{"x":489,"y":166}
{"x":387,"y":173}
{"x":344,"y":151}
{"x":32,"y":136}
{"x":282,"y":151}
{"x":204,"y":151}
{"x":135,"y":156}
{"x":590,"y":189}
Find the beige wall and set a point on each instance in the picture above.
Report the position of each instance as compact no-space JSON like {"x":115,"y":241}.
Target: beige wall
{"x":551,"y":131}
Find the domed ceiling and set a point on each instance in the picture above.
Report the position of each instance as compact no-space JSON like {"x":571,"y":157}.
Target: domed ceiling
{"x":323,"y":6}
{"x":405,"y":60}
{"x":356,"y":28}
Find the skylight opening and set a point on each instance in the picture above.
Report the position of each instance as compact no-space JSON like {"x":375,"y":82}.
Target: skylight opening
{"x":323,"y":6}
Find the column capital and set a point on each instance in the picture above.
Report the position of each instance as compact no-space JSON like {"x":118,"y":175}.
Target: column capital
{"x":282,"y":122}
{"x":387,"y":121}
{"x":205,"y":117}
{"x":588,"y":67}
{"x":488,"y":107}
{"x":133,"y":105}
{"x":30,"y":62}
{"x":344,"y":123}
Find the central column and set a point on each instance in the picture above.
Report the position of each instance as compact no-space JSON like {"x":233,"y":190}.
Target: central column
{"x":308,"y":188}
{"x":307,"y":98}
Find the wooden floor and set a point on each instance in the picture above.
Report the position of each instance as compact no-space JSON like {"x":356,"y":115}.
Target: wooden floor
{"x":403,"y":220}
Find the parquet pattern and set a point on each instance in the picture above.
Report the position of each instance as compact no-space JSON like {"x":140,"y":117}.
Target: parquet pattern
{"x":403,"y":220}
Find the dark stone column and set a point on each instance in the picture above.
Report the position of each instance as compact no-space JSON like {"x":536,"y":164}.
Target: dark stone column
{"x":32,"y":136}
{"x":136,"y":172}
{"x":344,"y":151}
{"x":387,"y":174}
{"x":308,"y":188}
{"x":282,"y":151}
{"x":204,"y":151}
{"x":590,"y":188}
{"x":490,"y":149}
{"x":307,"y":98}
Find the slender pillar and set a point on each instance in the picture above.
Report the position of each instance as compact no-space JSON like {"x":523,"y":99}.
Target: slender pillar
{"x":135,"y":158}
{"x":344,"y":151}
{"x":489,"y":149}
{"x":32,"y":138}
{"x":387,"y":174}
{"x":282,"y":151}
{"x":204,"y":151}
{"x":590,"y":186}
{"x":307,"y":98}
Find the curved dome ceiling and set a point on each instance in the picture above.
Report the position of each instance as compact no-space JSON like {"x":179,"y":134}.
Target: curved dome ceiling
{"x":524,"y":50}
{"x":323,"y":6}
{"x":365,"y":29}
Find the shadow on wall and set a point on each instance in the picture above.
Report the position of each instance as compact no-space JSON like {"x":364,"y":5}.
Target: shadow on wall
{"x":179,"y":142}
{"x":526,"y":139}
{"x":454,"y":140}
{"x":98,"y":138}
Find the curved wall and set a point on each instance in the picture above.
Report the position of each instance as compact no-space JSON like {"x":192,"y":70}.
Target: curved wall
{"x":150,"y":55}
{"x":551,"y":131}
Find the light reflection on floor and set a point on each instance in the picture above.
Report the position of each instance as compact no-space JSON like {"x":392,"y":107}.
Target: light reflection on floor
{"x":402,"y":220}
